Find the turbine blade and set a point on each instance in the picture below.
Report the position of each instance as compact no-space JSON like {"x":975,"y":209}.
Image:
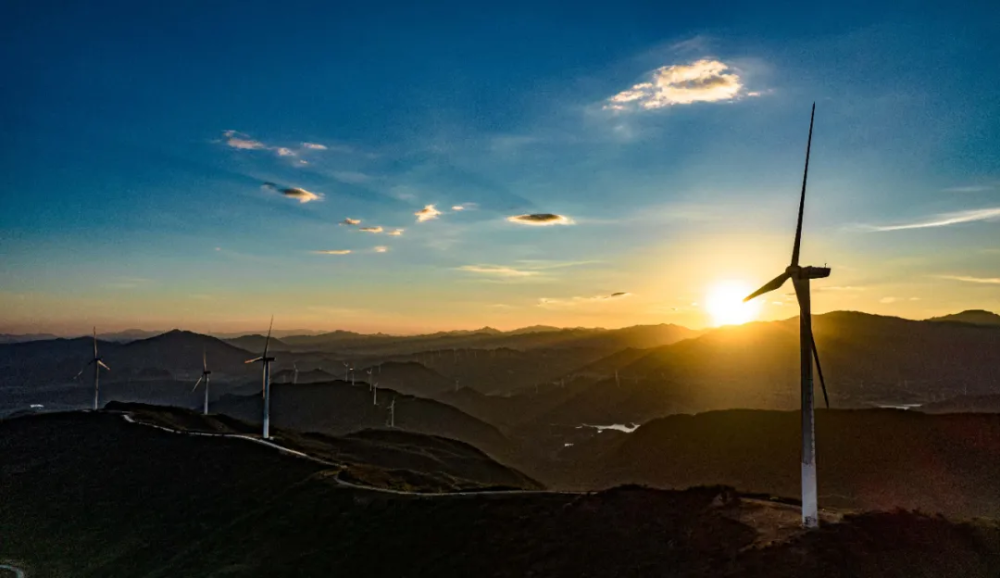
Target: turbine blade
{"x":802,"y":199}
{"x":95,"y":342}
{"x":101,"y":363}
{"x":819,"y":370}
{"x":197,"y":383}
{"x":771,"y":285}
{"x":204,"y":360}
{"x":254,"y":360}
{"x":268,"y":340}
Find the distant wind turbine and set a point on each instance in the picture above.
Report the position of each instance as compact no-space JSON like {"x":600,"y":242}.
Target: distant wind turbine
{"x":266,"y":391}
{"x":205,"y":375}
{"x":375,"y":393}
{"x":295,"y":373}
{"x":800,"y":277}
{"x":392,"y":414}
{"x":369,"y":372}
{"x":347,"y":366}
{"x":98,"y":364}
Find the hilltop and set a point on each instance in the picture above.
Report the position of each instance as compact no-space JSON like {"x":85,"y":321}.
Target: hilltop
{"x":971,"y":316}
{"x":213,"y":506}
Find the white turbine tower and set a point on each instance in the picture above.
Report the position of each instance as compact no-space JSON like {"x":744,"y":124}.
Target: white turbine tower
{"x":295,"y":373}
{"x":375,"y":393}
{"x":205,"y":374}
{"x":347,"y":366}
{"x":369,"y":372}
{"x":392,"y":414}
{"x":266,"y":391}
{"x":98,"y":364}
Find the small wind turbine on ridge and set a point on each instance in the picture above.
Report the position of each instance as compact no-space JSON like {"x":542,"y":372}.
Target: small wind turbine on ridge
{"x":266,"y":390}
{"x":98,"y":363}
{"x":800,"y":277}
{"x":205,"y":374}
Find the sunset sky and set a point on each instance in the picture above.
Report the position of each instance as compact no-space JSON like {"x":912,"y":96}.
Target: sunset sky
{"x":362,"y":166}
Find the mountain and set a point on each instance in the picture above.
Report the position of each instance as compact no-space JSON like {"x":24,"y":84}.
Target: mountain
{"x":128,"y":335}
{"x":989,"y":403}
{"x":972,"y":316}
{"x":256,"y":343}
{"x":407,"y":377}
{"x":867,"y":459}
{"x":338,"y":408}
{"x":310,"y":376}
{"x":163,"y":505}
{"x":22,"y":338}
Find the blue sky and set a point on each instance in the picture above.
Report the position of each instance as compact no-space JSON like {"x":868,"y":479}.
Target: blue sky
{"x":145,"y":150}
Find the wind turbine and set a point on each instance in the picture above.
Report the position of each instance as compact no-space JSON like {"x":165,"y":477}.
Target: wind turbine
{"x":98,"y":364}
{"x":347,"y":366}
{"x":800,"y":277}
{"x":375,"y":393}
{"x":205,"y":373}
{"x":295,"y":373}
{"x":266,"y":391}
{"x":392,"y":414}
{"x":369,"y":372}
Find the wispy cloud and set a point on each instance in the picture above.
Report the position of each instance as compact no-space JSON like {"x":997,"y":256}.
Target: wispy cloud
{"x":969,"y":189}
{"x":381,"y":249}
{"x":284,"y":152}
{"x":497,"y":271}
{"x":970,"y":279}
{"x":371,"y":229}
{"x":942,"y":220}
{"x":541,"y":219}
{"x":334,"y":252}
{"x":887,"y":300}
{"x":396,"y":233}
{"x":350,"y":222}
{"x":573,"y":301}
{"x":238,"y":140}
{"x":701,"y":81}
{"x":301,"y":195}
{"x":465,"y":206}
{"x":314,"y":146}
{"x":427,"y":213}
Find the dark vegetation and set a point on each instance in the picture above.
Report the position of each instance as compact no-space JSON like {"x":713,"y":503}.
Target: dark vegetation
{"x":88,"y":495}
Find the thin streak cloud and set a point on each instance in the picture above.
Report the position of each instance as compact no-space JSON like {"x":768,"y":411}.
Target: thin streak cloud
{"x":497,"y":271}
{"x":371,"y":229}
{"x":541,"y":219}
{"x":334,"y":252}
{"x":970,"y":279}
{"x":942,"y":220}
{"x":350,"y":222}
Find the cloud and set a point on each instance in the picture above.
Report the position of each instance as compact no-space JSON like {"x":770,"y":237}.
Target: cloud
{"x":498,"y":271}
{"x":573,"y":301}
{"x":302,"y":195}
{"x":381,"y":249}
{"x":887,"y":300}
{"x":371,"y":229}
{"x":314,"y":146}
{"x":241,"y":141}
{"x":284,"y":152}
{"x":427,"y":213}
{"x":541,"y":219}
{"x":465,"y":206}
{"x":334,"y":252}
{"x":396,"y":233}
{"x":942,"y":220}
{"x":969,"y":279}
{"x":350,"y":222}
{"x":914,"y":298}
{"x":968,"y":189}
{"x":701,"y":81}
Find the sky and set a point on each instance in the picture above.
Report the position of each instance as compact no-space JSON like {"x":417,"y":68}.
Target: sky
{"x":409,"y":167}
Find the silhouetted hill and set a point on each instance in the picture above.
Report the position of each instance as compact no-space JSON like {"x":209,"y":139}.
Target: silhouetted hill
{"x":163,"y":504}
{"x":972,"y":316}
{"x":24,"y":337}
{"x":255,"y":343}
{"x":865,"y":358}
{"x":338,"y":408}
{"x":407,"y":377}
{"x":867,"y":459}
{"x":989,"y":403}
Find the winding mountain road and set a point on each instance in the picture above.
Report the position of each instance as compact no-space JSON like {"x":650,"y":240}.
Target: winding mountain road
{"x":18,"y":573}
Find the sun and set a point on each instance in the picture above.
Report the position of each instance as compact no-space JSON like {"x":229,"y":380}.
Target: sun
{"x":724,"y":303}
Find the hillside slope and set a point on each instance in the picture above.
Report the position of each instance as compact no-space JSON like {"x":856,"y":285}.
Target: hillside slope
{"x":162,"y":505}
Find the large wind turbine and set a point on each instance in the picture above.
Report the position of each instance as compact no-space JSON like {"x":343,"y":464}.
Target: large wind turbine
{"x":266,"y":391}
{"x":205,"y":374}
{"x":800,"y":277}
{"x":98,"y":364}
